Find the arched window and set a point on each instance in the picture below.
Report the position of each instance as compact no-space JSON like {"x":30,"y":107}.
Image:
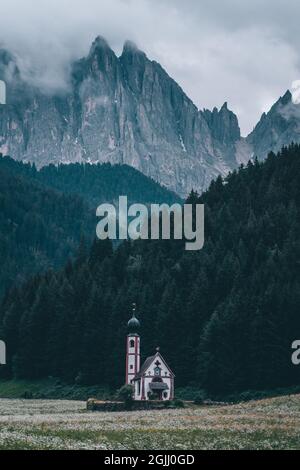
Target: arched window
{"x":131,"y":344}
{"x":157,"y":371}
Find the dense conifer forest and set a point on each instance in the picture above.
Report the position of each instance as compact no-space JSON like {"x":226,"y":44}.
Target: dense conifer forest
{"x":224,"y":317}
{"x":45,"y":214}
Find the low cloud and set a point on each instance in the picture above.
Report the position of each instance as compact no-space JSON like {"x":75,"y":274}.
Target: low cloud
{"x":290,"y":111}
{"x":246,"y":53}
{"x":295,"y":89}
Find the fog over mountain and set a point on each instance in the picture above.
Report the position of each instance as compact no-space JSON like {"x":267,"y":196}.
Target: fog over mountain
{"x":127,"y":109}
{"x":245,"y":53}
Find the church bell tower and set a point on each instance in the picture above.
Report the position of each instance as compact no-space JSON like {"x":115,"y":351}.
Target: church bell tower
{"x":133,"y":358}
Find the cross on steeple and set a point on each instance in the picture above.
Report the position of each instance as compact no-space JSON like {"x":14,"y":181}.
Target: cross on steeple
{"x":133,"y":309}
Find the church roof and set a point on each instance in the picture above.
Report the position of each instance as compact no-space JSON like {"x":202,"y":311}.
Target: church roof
{"x":148,"y":363}
{"x":144,"y":367}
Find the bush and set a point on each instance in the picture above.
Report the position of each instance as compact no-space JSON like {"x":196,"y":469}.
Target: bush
{"x":28,"y":395}
{"x":177,"y":403}
{"x":152,"y":396}
{"x":189,"y":393}
{"x":200,"y":397}
{"x":125,"y":394}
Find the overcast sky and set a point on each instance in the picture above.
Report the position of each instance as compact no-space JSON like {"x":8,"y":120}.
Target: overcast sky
{"x":244,"y":52}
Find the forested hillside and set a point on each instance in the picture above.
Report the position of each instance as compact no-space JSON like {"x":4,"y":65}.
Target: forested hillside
{"x":44,"y":214}
{"x":95,"y":183}
{"x":224,"y":317}
{"x":39,"y":227}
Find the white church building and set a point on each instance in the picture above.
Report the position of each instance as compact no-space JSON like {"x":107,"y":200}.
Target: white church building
{"x":154,"y":378}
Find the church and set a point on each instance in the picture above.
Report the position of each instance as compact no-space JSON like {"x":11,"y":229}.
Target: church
{"x":154,"y":379}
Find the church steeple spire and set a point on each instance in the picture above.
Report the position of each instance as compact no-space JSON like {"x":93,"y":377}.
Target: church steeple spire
{"x":133,"y":347}
{"x":133,"y":324}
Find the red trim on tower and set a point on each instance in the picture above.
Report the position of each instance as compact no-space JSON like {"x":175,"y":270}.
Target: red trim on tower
{"x":126,"y":378}
{"x":135,"y":352}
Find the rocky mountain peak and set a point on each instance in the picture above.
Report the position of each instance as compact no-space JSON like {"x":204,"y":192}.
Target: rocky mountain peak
{"x":123,"y":109}
{"x":224,"y":107}
{"x":101,"y":57}
{"x":223,"y":124}
{"x":128,"y":110}
{"x":130,"y":47}
{"x":5,"y":57}
{"x":279,"y":127}
{"x":8,"y":65}
{"x":99,"y":43}
{"x":286,"y":98}
{"x":132,"y":55}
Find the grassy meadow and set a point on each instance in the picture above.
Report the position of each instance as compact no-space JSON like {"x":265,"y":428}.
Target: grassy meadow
{"x":272,"y":423}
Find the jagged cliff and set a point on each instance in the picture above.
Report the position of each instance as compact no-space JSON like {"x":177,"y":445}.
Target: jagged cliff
{"x":279,"y":127}
{"x":128,"y":110}
{"x":119,"y":109}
